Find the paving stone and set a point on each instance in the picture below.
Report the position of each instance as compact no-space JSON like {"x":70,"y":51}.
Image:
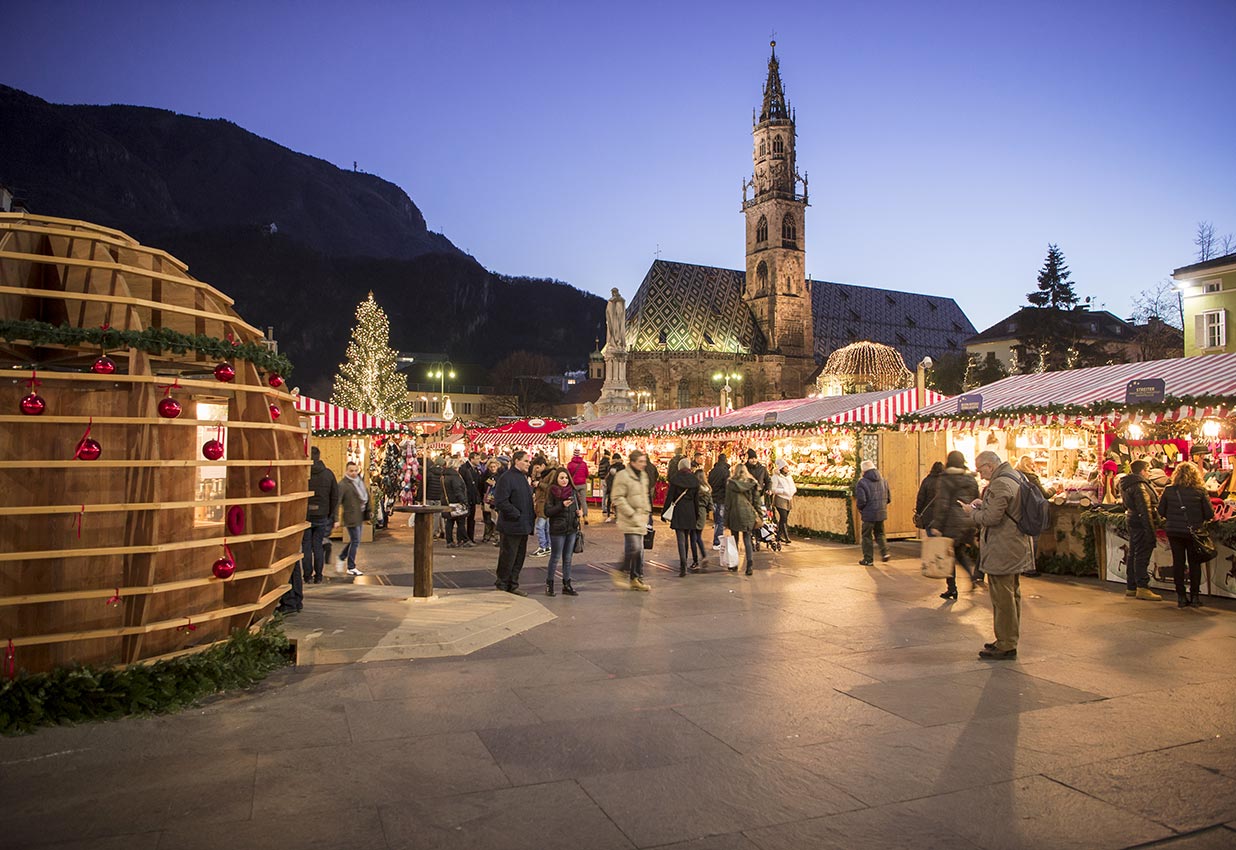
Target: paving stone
{"x":1120,"y":675}
{"x":137,"y":841}
{"x":712,"y":797}
{"x":306,"y":830}
{"x":983,"y":693}
{"x":456,"y":676}
{"x":753,"y":724}
{"x":1037,"y":814}
{"x":556,"y":816}
{"x":1218,"y":838}
{"x":634,"y":632}
{"x":868,"y":829}
{"x":432,"y":715}
{"x":782,"y":677}
{"x":914,"y":662}
{"x":737,"y":624}
{"x":574,"y":748}
{"x":733,"y":841}
{"x":365,"y":774}
{"x":1216,"y":753}
{"x":1158,"y":786}
{"x":614,"y":696}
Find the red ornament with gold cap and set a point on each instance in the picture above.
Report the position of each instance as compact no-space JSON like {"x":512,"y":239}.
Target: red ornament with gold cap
{"x":104,"y":366}
{"x":213,"y":449}
{"x":225,"y":373}
{"x":33,"y":404}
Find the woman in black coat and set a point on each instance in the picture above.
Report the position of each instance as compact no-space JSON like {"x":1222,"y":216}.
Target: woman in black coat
{"x":562,"y":511}
{"x":1185,"y":506}
{"x":924,"y":501}
{"x":946,"y":518}
{"x":683,"y":494}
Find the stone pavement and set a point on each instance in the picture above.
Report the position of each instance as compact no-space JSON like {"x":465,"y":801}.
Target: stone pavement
{"x":817,"y":704}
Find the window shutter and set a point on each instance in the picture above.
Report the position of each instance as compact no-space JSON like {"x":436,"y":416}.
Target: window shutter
{"x":1199,"y":330}
{"x":1221,"y":315}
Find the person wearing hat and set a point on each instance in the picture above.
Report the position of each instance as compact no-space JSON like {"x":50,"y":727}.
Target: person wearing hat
{"x":783,"y":489}
{"x":1139,"y":507}
{"x":577,"y":468}
{"x":955,"y":486}
{"x":871,"y":497}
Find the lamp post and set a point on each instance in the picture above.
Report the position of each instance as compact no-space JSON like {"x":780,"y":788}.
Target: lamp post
{"x":643,"y":399}
{"x":920,"y":382}
{"x":727,"y":390}
{"x":442,"y":371}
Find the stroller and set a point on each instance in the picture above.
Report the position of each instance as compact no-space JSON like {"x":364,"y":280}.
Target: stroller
{"x":767,"y":533}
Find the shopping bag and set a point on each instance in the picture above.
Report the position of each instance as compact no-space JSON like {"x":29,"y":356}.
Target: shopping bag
{"x":649,"y":537}
{"x":579,"y":543}
{"x":729,"y":552}
{"x":937,"y":557}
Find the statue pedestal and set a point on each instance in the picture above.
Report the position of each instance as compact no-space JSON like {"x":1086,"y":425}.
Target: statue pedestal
{"x":615,"y":394}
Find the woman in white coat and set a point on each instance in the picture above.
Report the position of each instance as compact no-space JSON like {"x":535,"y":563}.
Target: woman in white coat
{"x":783,"y":489}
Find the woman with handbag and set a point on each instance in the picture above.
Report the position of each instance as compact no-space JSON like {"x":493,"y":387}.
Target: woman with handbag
{"x":743,"y":509}
{"x":783,"y":491}
{"x":562,"y":511}
{"x":1185,"y":508}
{"x":682,"y":511}
{"x":955,"y":486}
{"x":702,"y":506}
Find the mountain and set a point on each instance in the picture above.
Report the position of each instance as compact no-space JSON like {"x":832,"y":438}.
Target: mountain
{"x":207,"y":190}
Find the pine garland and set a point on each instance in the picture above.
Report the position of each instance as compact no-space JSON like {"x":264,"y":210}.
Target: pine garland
{"x":152,"y":340}
{"x":1077,"y":411}
{"x":361,"y":432}
{"x":79,"y":694}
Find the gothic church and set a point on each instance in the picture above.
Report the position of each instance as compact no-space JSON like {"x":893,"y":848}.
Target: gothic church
{"x":769,"y":324}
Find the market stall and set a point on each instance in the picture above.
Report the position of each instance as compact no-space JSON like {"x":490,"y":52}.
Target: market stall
{"x":532,"y":435}
{"x":1081,"y":428}
{"x":377,"y":445}
{"x":651,"y":431}
{"x":824,"y":439}
{"x":152,"y":468}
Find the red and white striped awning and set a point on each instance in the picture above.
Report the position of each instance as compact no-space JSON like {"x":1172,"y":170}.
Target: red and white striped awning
{"x":331,"y":417}
{"x":827,"y":412}
{"x":644,"y":420}
{"x":526,"y":432}
{"x":1212,"y":375}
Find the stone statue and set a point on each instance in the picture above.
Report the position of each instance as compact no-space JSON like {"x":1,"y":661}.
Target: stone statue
{"x":615,"y":324}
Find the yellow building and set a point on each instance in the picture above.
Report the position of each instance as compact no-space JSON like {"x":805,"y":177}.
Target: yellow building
{"x":1208,"y":297}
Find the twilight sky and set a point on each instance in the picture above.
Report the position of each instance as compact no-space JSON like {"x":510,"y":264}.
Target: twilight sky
{"x":947,"y":143}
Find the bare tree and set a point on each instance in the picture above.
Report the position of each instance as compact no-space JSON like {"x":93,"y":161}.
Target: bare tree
{"x":1158,"y":319}
{"x":1227,"y":245}
{"x":1204,"y":239}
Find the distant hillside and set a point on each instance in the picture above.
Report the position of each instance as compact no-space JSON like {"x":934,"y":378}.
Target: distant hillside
{"x":206,"y":189}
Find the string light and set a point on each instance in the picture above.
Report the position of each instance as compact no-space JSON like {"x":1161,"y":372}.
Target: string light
{"x":866,"y":365}
{"x":368,"y":380}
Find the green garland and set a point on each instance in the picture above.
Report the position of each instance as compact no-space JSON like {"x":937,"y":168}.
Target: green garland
{"x":840,"y":427}
{"x":78,"y":694}
{"x":363,"y":432}
{"x":152,"y":340}
{"x":1098,"y":408}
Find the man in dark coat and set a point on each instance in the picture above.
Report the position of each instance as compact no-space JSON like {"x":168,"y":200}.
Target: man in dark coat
{"x":516,"y":518}
{"x":718,"y":477}
{"x":471,"y":473}
{"x":323,"y":506}
{"x":763,"y":484}
{"x":1139,"y":498}
{"x":871,"y":497}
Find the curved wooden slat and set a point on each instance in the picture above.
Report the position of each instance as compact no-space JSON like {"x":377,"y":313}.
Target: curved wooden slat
{"x":103,"y":551}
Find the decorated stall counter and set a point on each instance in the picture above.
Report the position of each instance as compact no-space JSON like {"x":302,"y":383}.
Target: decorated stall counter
{"x":152,"y":469}
{"x":1079,"y":430}
{"x":824,"y":439}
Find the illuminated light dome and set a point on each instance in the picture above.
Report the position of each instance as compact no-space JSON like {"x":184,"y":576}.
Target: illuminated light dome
{"x":864,"y":367}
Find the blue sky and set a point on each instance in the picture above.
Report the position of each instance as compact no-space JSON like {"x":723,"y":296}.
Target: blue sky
{"x":947,"y":143}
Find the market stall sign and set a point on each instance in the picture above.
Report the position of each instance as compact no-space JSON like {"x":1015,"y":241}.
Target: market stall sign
{"x":620,"y":427}
{"x":972,"y":403}
{"x":770,"y":418}
{"x":1145,"y":391}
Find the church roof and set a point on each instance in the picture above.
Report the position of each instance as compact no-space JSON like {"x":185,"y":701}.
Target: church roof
{"x":684,"y":307}
{"x":700,"y":308}
{"x":775,"y":108}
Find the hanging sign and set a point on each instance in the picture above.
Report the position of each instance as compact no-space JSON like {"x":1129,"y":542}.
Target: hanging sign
{"x":770,"y":418}
{"x":971,"y":403}
{"x":536,"y":423}
{"x":1145,"y":391}
{"x":620,"y":427}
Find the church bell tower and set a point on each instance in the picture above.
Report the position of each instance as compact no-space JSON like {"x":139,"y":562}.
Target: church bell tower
{"x":776,"y":287}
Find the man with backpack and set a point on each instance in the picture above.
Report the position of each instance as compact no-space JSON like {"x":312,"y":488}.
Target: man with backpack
{"x":1007,"y":515}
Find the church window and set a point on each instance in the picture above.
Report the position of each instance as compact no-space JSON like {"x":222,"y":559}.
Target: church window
{"x":761,"y":277}
{"x":910,"y":321}
{"x":778,"y":145}
{"x":662,"y":337}
{"x":708,"y":338}
{"x":761,"y":229}
{"x":789,"y":231}
{"x":763,"y":147}
{"x":684,"y":393}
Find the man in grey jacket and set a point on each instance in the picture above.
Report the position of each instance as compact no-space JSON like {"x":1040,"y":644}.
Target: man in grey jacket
{"x":1004,"y":552}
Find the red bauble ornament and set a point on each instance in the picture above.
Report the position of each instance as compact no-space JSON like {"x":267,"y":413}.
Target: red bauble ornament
{"x":212,"y":450}
{"x":169,"y":408}
{"x":33,"y":405}
{"x":275,"y":380}
{"x":225,"y":373}
{"x":104,"y":366}
{"x":223,"y":568}
{"x":275,"y":412}
{"x":88,"y":449}
{"x":267,"y":484}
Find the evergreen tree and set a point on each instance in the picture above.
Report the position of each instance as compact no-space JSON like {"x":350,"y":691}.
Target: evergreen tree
{"x":988,"y":370}
{"x":368,"y":381}
{"x":1055,"y":289}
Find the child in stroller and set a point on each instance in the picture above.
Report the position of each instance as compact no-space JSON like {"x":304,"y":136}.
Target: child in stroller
{"x":767,"y":533}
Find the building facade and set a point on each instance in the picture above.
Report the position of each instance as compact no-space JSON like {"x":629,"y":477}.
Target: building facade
{"x":1208,"y":297}
{"x":765,"y":330}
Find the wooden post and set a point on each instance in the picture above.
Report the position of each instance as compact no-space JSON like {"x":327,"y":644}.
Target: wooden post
{"x":422,"y":556}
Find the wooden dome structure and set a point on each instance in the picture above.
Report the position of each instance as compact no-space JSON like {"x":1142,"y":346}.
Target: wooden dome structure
{"x":863,"y":367}
{"x":111,"y":561}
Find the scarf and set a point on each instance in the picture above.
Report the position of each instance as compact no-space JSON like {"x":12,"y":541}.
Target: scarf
{"x":360,"y":487}
{"x":563,"y":493}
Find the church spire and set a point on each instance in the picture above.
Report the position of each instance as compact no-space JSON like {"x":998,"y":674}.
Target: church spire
{"x":775,"y":108}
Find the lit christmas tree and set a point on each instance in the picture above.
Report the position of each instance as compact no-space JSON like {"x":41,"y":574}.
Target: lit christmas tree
{"x":368,"y":381}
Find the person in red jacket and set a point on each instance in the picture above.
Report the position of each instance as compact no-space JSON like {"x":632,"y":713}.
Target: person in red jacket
{"x":578,"y":468}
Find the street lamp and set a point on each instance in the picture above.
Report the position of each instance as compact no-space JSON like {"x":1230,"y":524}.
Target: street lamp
{"x":727,"y":390}
{"x":442,"y":371}
{"x":643,"y":398}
